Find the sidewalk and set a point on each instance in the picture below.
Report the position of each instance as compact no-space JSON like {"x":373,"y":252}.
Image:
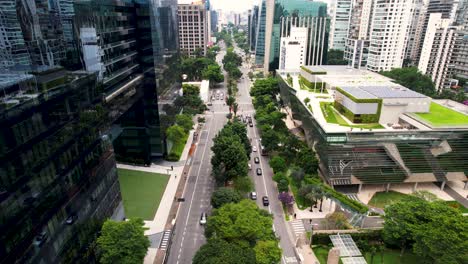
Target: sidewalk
{"x":328,"y":207}
{"x":157,"y":225}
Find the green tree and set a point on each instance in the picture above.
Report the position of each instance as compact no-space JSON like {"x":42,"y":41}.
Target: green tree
{"x":283,"y":185}
{"x":307,"y":160}
{"x":185,"y":121}
{"x":189,"y":89}
{"x":279,"y":176}
{"x":270,"y":139}
{"x":298,"y":175}
{"x":436,"y":231}
{"x":243,"y":184}
{"x":238,"y":222}
{"x":268,"y":86}
{"x":176,"y":134}
{"x":267,"y":252}
{"x":229,"y":158}
{"x":278,"y":164}
{"x":413,"y":79}
{"x":336,"y":57}
{"x":219,"y":251}
{"x":213,"y":74}
{"x":337,"y":220}
{"x":223,"y":196}
{"x":123,"y":242}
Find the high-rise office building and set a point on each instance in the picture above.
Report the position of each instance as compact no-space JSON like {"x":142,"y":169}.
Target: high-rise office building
{"x":58,"y":179}
{"x":214,"y":21}
{"x":340,"y":12}
{"x":41,"y":31}
{"x":294,"y":48}
{"x":193,"y":28}
{"x":271,"y":30}
{"x":437,"y":50}
{"x":391,"y":20}
{"x":260,"y":34}
{"x":315,"y":49}
{"x":253,"y":28}
{"x":14,"y":50}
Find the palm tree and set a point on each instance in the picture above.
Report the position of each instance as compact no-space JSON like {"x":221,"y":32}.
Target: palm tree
{"x":235,"y":107}
{"x":311,"y":198}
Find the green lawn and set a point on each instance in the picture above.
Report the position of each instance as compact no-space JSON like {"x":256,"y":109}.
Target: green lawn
{"x":390,"y":256}
{"x":440,"y":116}
{"x":393,"y":256}
{"x":458,"y":205}
{"x":380,"y":199}
{"x":332,"y":116}
{"x":141,"y":192}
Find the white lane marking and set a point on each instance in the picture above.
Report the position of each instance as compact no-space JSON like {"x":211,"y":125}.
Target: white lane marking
{"x":196,"y":181}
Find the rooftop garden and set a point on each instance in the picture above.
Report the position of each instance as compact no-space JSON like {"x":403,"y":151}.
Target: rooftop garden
{"x":440,"y":115}
{"x":312,"y":87}
{"x":332,"y":116}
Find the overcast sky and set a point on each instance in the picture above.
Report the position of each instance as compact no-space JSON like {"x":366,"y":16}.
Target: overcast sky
{"x":228,"y":5}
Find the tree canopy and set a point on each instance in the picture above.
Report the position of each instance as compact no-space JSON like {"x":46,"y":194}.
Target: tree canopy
{"x":278,"y":164}
{"x":123,"y":242}
{"x":436,"y":232}
{"x":336,"y":57}
{"x":267,"y":252}
{"x":413,"y":79}
{"x":239,"y":222}
{"x":220,"y":251}
{"x":176,"y":133}
{"x":185,"y":121}
{"x":223,"y":196}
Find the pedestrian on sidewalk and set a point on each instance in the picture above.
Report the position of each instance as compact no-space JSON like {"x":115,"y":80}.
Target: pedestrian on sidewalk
{"x":295,"y":216}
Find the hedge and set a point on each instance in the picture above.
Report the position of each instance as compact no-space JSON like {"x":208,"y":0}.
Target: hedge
{"x":369,"y":235}
{"x":311,"y":72}
{"x":343,"y":199}
{"x":310,"y":85}
{"x":364,"y":118}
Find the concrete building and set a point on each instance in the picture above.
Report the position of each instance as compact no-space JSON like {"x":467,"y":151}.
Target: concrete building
{"x":459,"y":60}
{"x":367,"y":129}
{"x":275,"y":18}
{"x":357,"y":42}
{"x":294,"y":48}
{"x":437,"y":50}
{"x":193,"y":28}
{"x":391,"y":21}
{"x":415,"y":33}
{"x":448,"y":9}
{"x":340,"y":13}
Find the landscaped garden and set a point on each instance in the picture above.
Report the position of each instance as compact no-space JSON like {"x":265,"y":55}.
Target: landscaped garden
{"x":381,"y":199}
{"x":457,"y":205}
{"x":332,"y":116}
{"x":141,"y":192}
{"x":442,"y":116}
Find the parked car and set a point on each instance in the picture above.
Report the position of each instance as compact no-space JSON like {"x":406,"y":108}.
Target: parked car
{"x":203,"y":218}
{"x":250,"y":124}
{"x":250,"y":166}
{"x":265,"y":201}
{"x":256,"y":160}
{"x":259,"y":171}
{"x":254,"y":149}
{"x":253,"y":195}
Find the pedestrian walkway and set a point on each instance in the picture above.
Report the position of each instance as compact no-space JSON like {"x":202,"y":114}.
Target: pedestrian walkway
{"x":328,"y":207}
{"x":165,"y":239}
{"x":298,"y":227}
{"x":353,"y":196}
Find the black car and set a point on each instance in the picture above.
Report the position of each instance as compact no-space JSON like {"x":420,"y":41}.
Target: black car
{"x":259,"y":171}
{"x":256,"y":160}
{"x":265,"y":201}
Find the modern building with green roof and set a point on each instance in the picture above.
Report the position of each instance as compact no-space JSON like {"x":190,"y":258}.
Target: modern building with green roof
{"x":367,"y":129}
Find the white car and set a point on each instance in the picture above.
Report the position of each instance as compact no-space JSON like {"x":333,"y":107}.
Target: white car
{"x":254,"y":149}
{"x":253,"y":195}
{"x":250,"y":166}
{"x":203,"y":218}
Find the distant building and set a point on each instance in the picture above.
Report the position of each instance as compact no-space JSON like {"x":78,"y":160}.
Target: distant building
{"x":193,"y":28}
{"x":357,"y":43}
{"x":339,"y":24}
{"x":391,"y":21}
{"x":294,"y":48}
{"x":253,"y":28}
{"x":437,"y":50}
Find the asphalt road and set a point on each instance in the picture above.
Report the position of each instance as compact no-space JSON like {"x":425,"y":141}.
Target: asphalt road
{"x":189,"y":234}
{"x":264,"y":184}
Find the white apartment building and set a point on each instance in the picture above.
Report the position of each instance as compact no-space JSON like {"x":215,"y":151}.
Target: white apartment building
{"x":193,"y":28}
{"x":416,"y":32}
{"x":437,"y":49}
{"x":340,"y":13}
{"x":391,"y":20}
{"x":357,"y":41}
{"x":293,"y":48}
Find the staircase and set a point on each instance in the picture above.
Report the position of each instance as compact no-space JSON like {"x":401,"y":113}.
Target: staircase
{"x":436,"y":169}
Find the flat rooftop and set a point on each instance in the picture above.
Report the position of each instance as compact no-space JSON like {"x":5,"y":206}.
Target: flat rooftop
{"x":442,"y":116}
{"x":343,"y":76}
{"x":371,"y":92}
